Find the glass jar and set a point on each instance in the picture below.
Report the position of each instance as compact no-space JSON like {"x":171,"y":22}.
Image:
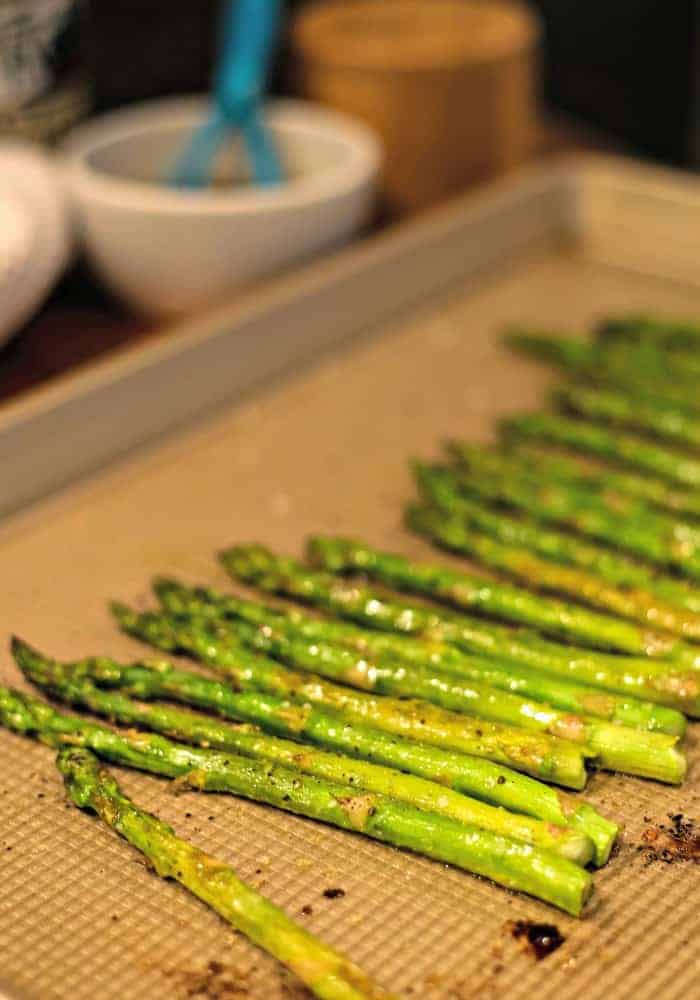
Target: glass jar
{"x":44,"y":78}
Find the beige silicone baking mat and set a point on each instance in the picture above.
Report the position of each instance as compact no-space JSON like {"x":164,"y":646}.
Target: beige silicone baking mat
{"x":80,"y":915}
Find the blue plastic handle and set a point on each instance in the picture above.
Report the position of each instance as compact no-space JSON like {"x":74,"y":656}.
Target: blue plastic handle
{"x":248,"y":32}
{"x":193,"y":166}
{"x":264,"y":160}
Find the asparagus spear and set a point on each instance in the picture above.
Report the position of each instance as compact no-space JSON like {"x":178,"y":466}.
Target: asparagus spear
{"x":473,"y":776}
{"x":508,"y":862}
{"x":651,"y":355}
{"x":651,"y":680}
{"x":536,"y":754}
{"x":615,"y":484}
{"x":573,"y":697}
{"x":588,"y":361}
{"x":571,"y":353}
{"x":406,"y":681}
{"x":621,"y":409}
{"x":453,"y":532}
{"x":73,"y":683}
{"x":513,"y":604}
{"x":634,"y":329}
{"x":627,"y":449}
{"x":441,"y":487}
{"x":327,"y":974}
{"x":618,"y":748}
{"x":616,"y":492}
{"x":470,"y":775}
{"x":620,"y":523}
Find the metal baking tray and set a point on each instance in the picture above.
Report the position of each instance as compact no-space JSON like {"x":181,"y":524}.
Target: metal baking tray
{"x":295,"y":411}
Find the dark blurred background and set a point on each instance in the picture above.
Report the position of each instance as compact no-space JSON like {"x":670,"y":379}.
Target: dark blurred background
{"x":628,"y":68}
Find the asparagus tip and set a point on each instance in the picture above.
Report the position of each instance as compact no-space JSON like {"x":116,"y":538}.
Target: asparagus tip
{"x":321,"y":552}
{"x":418,"y":465}
{"x":414,"y":514}
{"x":18,"y":646}
{"x":24,"y":655}
{"x":124,"y":615}
{"x":247,"y":562}
{"x":514,"y":335}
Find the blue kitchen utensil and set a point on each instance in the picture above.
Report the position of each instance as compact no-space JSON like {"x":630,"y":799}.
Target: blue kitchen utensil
{"x":249,"y":31}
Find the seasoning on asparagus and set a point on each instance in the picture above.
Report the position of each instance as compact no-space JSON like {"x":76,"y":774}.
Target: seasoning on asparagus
{"x":476,"y":491}
{"x":537,"y":754}
{"x":663,"y":527}
{"x":454,"y":532}
{"x":470,"y":775}
{"x":76,"y":683}
{"x":655,"y":681}
{"x":513,"y":604}
{"x":628,"y":449}
{"x":327,"y":974}
{"x":617,"y":748}
{"x":516,"y":865}
{"x":670,"y":334}
{"x":621,"y":523}
{"x":595,"y":476}
{"x":662,"y":420}
{"x":434,"y":759}
{"x":382,"y":647}
{"x":651,"y":381}
{"x":649,"y":356}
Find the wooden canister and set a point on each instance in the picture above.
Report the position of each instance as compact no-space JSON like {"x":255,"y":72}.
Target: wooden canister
{"x":449,"y":85}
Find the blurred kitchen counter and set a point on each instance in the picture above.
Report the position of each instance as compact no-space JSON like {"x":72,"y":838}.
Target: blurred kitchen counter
{"x":80,"y":322}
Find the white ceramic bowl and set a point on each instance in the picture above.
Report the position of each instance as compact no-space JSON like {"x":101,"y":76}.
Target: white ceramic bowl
{"x":165,"y":250}
{"x":35,"y":236}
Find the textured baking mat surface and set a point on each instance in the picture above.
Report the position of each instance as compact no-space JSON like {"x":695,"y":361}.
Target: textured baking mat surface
{"x":81,"y":916}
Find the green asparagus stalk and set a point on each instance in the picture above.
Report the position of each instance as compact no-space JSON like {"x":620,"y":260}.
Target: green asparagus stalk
{"x":627,"y":449}
{"x":669,"y":334}
{"x":618,"y":748}
{"x":74,"y":684}
{"x":454,"y":532}
{"x":619,"y":522}
{"x":473,"y":776}
{"x":651,"y":381}
{"x":612,"y":483}
{"x":602,"y":491}
{"x":537,"y":754}
{"x":462,"y":590}
{"x":441,"y":488}
{"x":508,"y":862}
{"x":621,"y":409}
{"x":570,"y":353}
{"x":649,"y":356}
{"x":653,"y":355}
{"x":327,"y":974}
{"x":589,"y":474}
{"x":572,"y":697}
{"x":644,"y":678}
{"x":405,"y":681}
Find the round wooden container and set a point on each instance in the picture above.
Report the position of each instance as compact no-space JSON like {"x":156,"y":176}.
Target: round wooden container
{"x":448,"y":84}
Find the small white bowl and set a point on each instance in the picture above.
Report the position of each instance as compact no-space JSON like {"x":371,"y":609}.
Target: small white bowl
{"x":170,"y":251}
{"x":35,"y":233}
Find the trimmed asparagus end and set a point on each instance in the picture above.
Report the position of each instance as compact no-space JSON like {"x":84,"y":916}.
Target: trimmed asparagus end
{"x":603,"y":832}
{"x":646,"y":755}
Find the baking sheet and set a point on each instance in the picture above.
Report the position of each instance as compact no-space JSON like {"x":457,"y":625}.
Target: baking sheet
{"x":81,"y":917}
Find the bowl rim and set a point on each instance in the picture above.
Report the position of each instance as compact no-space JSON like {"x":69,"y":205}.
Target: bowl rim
{"x":361,"y":146}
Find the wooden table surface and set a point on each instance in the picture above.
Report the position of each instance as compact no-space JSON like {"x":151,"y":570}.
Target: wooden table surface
{"x":80,"y":321}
